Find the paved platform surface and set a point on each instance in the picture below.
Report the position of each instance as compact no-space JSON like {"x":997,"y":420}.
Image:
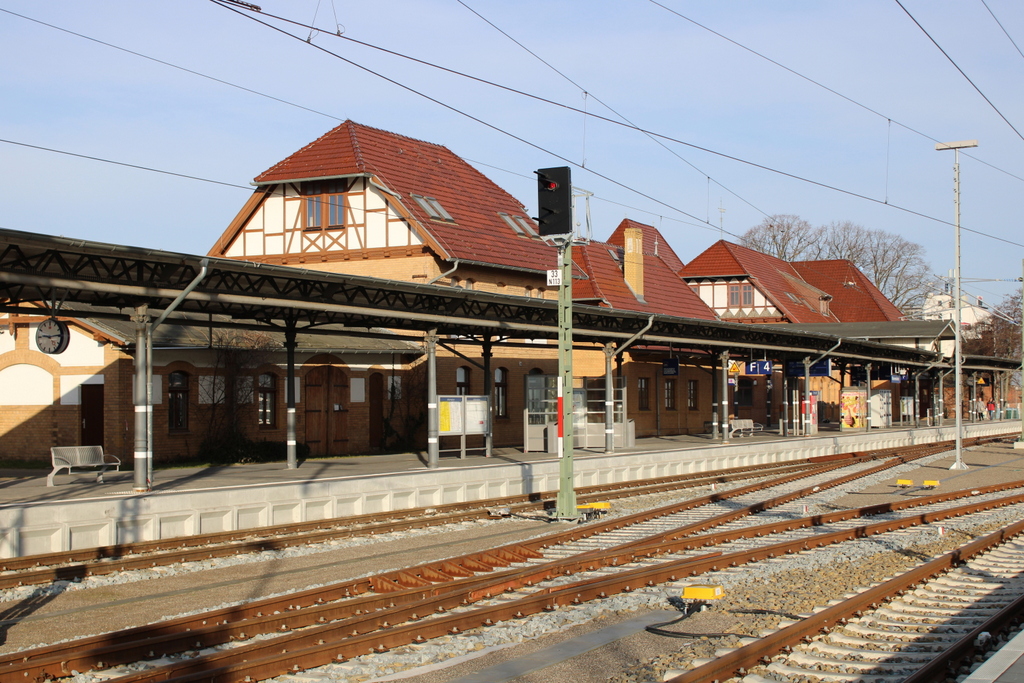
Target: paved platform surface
{"x":24,"y":486}
{"x":29,"y":486}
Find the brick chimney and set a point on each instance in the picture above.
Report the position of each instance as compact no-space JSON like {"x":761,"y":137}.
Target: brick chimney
{"x":633,"y":261}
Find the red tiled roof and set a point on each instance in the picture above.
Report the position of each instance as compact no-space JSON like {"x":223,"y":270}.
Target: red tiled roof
{"x":664,"y":292}
{"x":855,"y":299}
{"x":654,"y":243}
{"x":409,"y":166}
{"x":775,"y":278}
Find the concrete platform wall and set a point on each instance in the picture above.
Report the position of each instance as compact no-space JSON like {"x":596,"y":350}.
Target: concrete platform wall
{"x":54,"y":526}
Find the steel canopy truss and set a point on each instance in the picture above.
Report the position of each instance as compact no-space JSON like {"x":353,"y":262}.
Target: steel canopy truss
{"x":36,"y":268}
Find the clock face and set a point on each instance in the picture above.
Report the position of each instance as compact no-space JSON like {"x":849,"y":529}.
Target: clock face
{"x":52,"y":336}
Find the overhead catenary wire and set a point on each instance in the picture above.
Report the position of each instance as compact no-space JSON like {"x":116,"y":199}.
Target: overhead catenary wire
{"x":498,"y":129}
{"x":962,"y":72}
{"x":827,"y":88}
{"x":700,"y":222}
{"x":125,"y":164}
{"x":222,"y":82}
{"x":450,"y":107}
{"x":168,"y":64}
{"x":607,"y":106}
{"x":1003,"y":28}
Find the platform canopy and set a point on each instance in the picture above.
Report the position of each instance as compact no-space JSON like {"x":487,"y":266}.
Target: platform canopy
{"x":113,"y":281}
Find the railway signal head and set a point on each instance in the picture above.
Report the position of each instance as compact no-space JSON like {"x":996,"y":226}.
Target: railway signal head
{"x":554,"y":201}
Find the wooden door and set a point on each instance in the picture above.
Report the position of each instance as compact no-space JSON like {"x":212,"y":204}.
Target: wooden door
{"x":91,"y":409}
{"x":326,"y":407}
{"x":375,"y":398}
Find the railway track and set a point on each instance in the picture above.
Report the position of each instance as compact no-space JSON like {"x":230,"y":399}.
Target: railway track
{"x":78,"y":564}
{"x":348,"y":619}
{"x":922,"y":626}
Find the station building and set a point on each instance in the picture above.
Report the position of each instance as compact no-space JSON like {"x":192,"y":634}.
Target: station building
{"x":364,"y":201}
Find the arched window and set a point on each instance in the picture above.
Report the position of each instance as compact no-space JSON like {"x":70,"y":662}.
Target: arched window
{"x":267,"y":400}
{"x":501,"y":392}
{"x":177,"y":402}
{"x":462,"y":381}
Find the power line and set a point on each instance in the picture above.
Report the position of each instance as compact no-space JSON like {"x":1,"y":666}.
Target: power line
{"x":446,"y":105}
{"x":700,"y":222}
{"x":168,"y":64}
{"x":122,"y":163}
{"x":962,"y":73}
{"x":691,"y":145}
{"x":827,"y":88}
{"x":704,"y":225}
{"x":1005,"y":32}
{"x":229,"y":84}
{"x":608,"y":107}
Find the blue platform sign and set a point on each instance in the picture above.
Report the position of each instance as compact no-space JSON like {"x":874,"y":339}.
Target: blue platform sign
{"x":823,"y":368}
{"x":670,"y":367}
{"x":759,"y":367}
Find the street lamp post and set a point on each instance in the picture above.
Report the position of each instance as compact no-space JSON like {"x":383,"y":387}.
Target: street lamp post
{"x":958,"y":464}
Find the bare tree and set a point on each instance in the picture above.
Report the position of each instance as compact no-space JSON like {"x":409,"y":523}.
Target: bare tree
{"x":895,"y":265}
{"x":229,"y":392}
{"x":999,"y":334}
{"x":787,"y":237}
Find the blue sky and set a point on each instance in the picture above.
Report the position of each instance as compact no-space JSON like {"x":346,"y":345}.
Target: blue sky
{"x":648,"y":64}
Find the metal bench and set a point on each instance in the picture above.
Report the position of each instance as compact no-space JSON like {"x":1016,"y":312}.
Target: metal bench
{"x":744,"y":427}
{"x":81,"y":456}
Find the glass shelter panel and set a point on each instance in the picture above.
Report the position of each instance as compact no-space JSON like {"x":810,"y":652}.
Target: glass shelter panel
{"x":541,"y":418}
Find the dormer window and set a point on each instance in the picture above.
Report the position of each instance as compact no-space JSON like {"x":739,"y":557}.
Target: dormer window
{"x":520,"y":225}
{"x":433,"y":208}
{"x":741,"y":295}
{"x":323,"y":205}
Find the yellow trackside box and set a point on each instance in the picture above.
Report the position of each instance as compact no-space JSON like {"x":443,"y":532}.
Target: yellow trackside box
{"x":904,"y":483}
{"x":703,"y":592}
{"x":931,"y":483}
{"x":595,"y":506}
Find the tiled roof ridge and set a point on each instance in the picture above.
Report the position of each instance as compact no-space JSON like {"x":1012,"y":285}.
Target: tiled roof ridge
{"x":588,"y":269}
{"x":354,"y":129}
{"x":357,"y":150}
{"x":859,"y":279}
{"x":753,"y":253}
{"x":305,"y":147}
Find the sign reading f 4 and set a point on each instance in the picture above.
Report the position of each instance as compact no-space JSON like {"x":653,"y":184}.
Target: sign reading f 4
{"x":759,"y":367}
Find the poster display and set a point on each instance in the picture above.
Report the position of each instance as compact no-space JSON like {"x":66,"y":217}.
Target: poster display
{"x":476,"y":414}
{"x":852,"y":408}
{"x":449,"y":414}
{"x":460,"y":415}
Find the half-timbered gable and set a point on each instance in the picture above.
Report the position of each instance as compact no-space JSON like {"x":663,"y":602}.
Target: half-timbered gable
{"x":360,"y":200}
{"x":747,"y":286}
{"x":341,"y":218}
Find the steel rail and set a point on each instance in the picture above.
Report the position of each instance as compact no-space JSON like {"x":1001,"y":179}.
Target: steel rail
{"x":743,"y":658}
{"x":77,"y":564}
{"x":964,"y":649}
{"x":484,"y":561}
{"x":229,"y":623}
{"x":320,"y":645}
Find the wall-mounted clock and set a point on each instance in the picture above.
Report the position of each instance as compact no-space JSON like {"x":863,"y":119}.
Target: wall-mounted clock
{"x":52,"y":336}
